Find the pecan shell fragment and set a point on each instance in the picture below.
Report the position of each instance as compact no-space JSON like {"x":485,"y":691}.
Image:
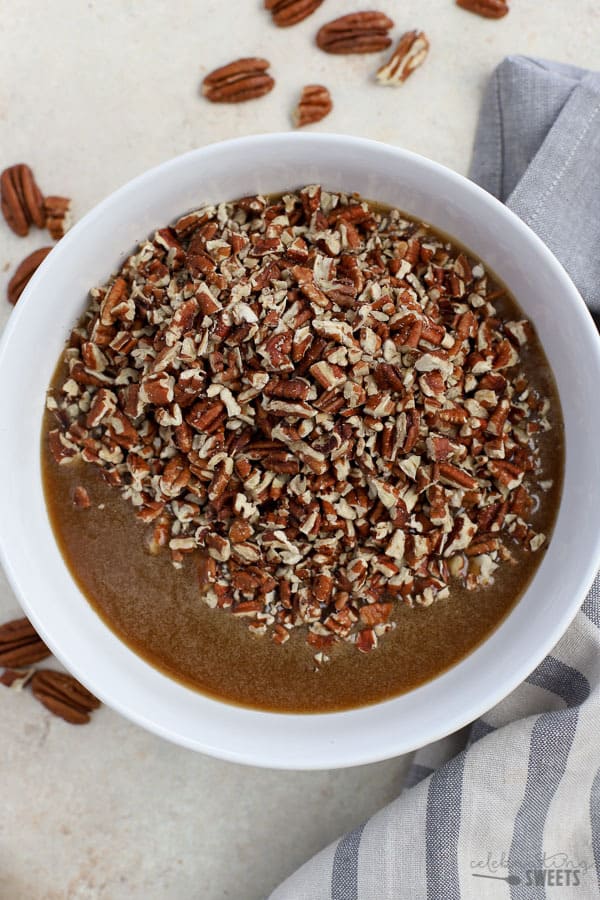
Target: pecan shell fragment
{"x":241,"y":80}
{"x":20,"y":644}
{"x":361,"y":32}
{"x":63,"y":696}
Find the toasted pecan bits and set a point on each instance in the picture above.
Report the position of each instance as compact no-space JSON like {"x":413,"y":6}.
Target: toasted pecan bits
{"x":57,"y":210}
{"x":410,"y":53}
{"x":24,"y":272}
{"x":489,"y":9}
{"x":290,"y":12}
{"x":81,"y":498}
{"x":323,"y":401}
{"x":314,"y":104}
{"x":20,"y":644}
{"x":22,"y":201}
{"x":361,"y":32}
{"x":63,"y":696}
{"x":244,"y":79}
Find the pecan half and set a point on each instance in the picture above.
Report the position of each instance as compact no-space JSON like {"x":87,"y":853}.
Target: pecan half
{"x":361,"y":32}
{"x":241,"y":80}
{"x":24,"y":272}
{"x":63,"y":696}
{"x":314,"y":104}
{"x":410,"y":53}
{"x":489,"y":9}
{"x":20,"y":644}
{"x":57,"y":211}
{"x":290,"y":12}
{"x":22,"y":201}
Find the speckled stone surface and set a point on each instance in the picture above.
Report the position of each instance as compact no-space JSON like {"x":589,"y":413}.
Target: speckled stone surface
{"x":91,"y":94}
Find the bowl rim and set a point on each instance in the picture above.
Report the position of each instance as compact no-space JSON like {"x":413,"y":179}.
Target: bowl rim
{"x":397,"y":743}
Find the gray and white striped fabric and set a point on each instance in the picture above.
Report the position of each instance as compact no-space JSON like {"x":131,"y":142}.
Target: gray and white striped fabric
{"x":510,"y":806}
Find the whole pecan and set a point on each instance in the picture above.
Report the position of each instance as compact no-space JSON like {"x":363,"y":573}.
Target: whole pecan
{"x":22,"y":201}
{"x":489,"y":9}
{"x":290,"y":12}
{"x":361,"y":32}
{"x":24,"y":272}
{"x":57,"y":211}
{"x":410,"y":53}
{"x":20,"y":644}
{"x":63,"y":696}
{"x":244,"y":79}
{"x":314,"y":104}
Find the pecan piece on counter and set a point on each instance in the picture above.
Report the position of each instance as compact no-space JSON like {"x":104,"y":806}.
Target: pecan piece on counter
{"x":58,"y":217}
{"x":241,"y":80}
{"x":361,"y":32}
{"x":24,"y":272}
{"x":410,"y":53}
{"x":290,"y":12}
{"x":22,"y":200}
{"x":314,"y":104}
{"x":20,"y":644}
{"x":63,"y":696}
{"x":16,"y":679}
{"x":489,"y":9}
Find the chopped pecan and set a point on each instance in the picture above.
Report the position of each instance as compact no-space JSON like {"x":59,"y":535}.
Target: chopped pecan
{"x":175,"y":478}
{"x":81,"y":498}
{"x":375,"y":613}
{"x":366,"y":640}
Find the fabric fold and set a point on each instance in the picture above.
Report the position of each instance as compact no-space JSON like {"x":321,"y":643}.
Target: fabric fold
{"x":537,"y":149}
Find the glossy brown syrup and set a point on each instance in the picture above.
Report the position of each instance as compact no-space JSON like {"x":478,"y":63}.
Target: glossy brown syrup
{"x":158,"y":611}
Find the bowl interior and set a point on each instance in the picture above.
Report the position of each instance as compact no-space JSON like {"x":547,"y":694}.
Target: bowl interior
{"x":35,"y":337}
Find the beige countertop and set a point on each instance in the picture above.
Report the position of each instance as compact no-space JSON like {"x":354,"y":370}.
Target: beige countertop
{"x":92,"y":94}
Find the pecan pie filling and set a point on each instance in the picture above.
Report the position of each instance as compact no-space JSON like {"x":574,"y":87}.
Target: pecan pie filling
{"x":319,"y":422}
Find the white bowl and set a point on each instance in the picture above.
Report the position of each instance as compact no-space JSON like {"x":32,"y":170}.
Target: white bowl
{"x":35,"y":336}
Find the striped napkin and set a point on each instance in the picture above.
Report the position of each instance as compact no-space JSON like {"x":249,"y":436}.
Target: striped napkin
{"x":510,"y":806}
